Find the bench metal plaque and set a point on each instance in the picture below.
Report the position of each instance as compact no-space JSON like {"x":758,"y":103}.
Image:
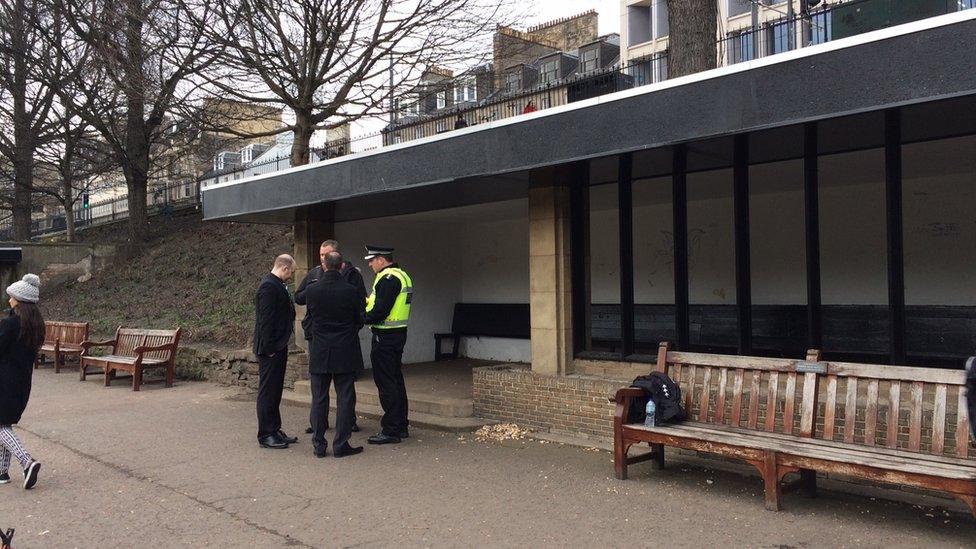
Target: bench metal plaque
{"x":805,"y":367}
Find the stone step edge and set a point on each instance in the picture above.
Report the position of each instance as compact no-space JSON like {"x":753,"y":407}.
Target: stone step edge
{"x":417,"y":419}
{"x":371,"y":396}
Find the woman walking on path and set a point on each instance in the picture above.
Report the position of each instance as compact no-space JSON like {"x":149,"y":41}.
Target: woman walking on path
{"x":21,"y":335}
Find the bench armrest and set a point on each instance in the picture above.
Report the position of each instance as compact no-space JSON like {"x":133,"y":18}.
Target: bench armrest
{"x":626,"y":393}
{"x":621,"y":412}
{"x":86,"y":344}
{"x":148,"y":349}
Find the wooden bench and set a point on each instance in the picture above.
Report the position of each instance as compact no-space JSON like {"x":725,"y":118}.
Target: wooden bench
{"x":62,"y":339}
{"x":509,"y":320}
{"x":134,"y":350}
{"x":892,"y":424}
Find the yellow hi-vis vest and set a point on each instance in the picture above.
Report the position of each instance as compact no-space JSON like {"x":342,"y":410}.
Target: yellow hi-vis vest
{"x":400,"y":312}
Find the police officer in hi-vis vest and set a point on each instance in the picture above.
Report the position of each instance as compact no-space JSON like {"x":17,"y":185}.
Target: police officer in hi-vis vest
{"x":387,"y":311}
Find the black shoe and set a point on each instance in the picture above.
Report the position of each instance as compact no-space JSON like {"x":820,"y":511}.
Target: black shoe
{"x":290,"y":440}
{"x":30,"y":474}
{"x":309,"y":430}
{"x":273,"y":442}
{"x":347,"y":450}
{"x":383,"y":438}
{"x":321,"y":452}
{"x":355,"y":428}
{"x":4,"y":478}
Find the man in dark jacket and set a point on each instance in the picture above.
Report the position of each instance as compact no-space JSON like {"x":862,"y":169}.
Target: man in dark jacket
{"x":273,"y":325}
{"x":350,"y":274}
{"x":336,"y":313}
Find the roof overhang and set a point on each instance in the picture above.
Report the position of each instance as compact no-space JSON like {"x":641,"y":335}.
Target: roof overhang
{"x":918,"y":62}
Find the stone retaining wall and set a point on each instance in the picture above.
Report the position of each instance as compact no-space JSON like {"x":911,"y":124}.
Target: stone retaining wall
{"x":234,"y":367}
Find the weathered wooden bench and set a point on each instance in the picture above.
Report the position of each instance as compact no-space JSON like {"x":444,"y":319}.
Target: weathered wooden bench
{"x":891,"y":424}
{"x":62,"y":339}
{"x":134,"y":350}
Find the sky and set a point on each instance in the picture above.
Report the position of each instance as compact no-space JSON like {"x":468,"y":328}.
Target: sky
{"x":609,"y":11}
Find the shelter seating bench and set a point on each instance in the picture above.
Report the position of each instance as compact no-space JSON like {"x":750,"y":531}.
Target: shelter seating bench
{"x":134,"y":350}
{"x":62,"y":339}
{"x":891,"y":424}
{"x":510,"y":320}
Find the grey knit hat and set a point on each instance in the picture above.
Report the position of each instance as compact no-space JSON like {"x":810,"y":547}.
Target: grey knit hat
{"x":28,"y":289}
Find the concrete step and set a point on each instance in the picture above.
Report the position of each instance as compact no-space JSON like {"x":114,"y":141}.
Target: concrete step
{"x":417,"y":418}
{"x":366,"y":394}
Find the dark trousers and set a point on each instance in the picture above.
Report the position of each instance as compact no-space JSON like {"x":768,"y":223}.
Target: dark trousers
{"x":345,"y":386}
{"x":271,"y":381}
{"x":386,"y":355}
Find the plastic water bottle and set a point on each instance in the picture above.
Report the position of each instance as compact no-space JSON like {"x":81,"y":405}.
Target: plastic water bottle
{"x":649,"y":420}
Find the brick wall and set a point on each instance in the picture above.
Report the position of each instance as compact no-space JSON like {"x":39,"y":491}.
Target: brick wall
{"x":572,"y":405}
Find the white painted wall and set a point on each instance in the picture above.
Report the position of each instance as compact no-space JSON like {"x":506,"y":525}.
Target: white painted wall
{"x":476,"y":254}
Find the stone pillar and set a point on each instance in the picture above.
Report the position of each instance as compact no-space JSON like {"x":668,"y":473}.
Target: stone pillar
{"x":313,"y":224}
{"x":550,"y":297}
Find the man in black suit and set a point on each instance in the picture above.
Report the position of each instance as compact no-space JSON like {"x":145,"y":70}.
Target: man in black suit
{"x":349,"y":274}
{"x":336,"y":311}
{"x":274,"y":321}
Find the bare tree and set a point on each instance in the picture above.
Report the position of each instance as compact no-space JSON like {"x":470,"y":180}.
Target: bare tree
{"x":136,"y":82}
{"x":71,"y":164}
{"x":30,"y":76}
{"x":329,"y":62}
{"x":691,"y":37}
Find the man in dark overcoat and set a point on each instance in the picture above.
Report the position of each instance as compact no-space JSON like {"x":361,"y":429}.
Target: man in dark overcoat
{"x":335,"y":310}
{"x":274,"y":323}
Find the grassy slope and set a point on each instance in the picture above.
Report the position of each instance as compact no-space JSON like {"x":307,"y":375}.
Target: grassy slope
{"x":197,"y":275}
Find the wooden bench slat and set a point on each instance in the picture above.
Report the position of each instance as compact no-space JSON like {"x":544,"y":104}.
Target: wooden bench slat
{"x":800,"y":447}
{"x":894,"y":409}
{"x":830,"y":408}
{"x":962,"y":426}
{"x":897,"y":373}
{"x":905,"y":455}
{"x":790,"y":405}
{"x":733,"y":361}
{"x":703,"y":403}
{"x":754,"y":399}
{"x":808,"y":415}
{"x":915,"y":418}
{"x":871,"y":413}
{"x":689,"y":372}
{"x":850,"y":409}
{"x":737,"y":397}
{"x":723,"y":375}
{"x":939,"y":419}
{"x":771,"y":401}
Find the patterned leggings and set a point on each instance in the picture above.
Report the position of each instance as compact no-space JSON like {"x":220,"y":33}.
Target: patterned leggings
{"x":11,"y":445}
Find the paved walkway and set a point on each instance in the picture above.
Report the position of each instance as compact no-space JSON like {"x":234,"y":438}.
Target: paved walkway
{"x":180,"y":467}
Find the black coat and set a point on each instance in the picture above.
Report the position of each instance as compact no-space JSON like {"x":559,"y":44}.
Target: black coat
{"x":274,"y":319}
{"x":16,"y":369}
{"x":336,"y":310}
{"x":349,"y":273}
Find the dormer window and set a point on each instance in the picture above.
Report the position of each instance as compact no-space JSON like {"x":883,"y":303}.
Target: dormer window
{"x":549,"y":72}
{"x":590,"y":60}
{"x":512,"y":82}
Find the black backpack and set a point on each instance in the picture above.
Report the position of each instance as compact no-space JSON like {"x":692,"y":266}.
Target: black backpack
{"x":667,"y":399}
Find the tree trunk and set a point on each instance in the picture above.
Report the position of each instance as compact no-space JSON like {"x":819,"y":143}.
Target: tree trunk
{"x":23,"y":183}
{"x":69,"y":221}
{"x":303,"y":135}
{"x":23,"y":153}
{"x":135,"y":164}
{"x":692,"y":36}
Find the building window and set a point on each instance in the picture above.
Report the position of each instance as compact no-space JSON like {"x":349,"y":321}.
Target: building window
{"x":739,"y":7}
{"x":778,"y":38}
{"x":441,"y":99}
{"x":466,"y":90}
{"x":638,"y":25}
{"x":660,"y":14}
{"x":512,"y":82}
{"x":821,"y":27}
{"x":739,"y":47}
{"x":550,"y":71}
{"x":590,"y":61}
{"x":661,"y":67}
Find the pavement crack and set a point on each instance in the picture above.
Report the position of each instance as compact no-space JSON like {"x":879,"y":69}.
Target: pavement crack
{"x":287,"y":540}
